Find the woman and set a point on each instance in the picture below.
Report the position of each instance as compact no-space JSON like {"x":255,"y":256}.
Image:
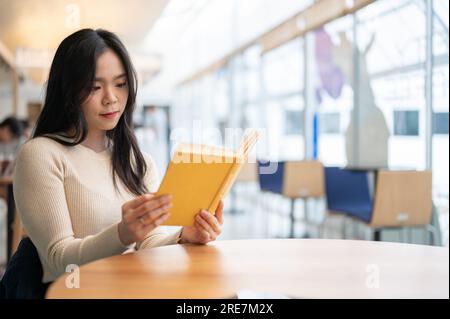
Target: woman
{"x":81,"y":183}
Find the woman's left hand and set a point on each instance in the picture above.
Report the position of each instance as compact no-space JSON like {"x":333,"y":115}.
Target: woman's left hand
{"x":207,"y":227}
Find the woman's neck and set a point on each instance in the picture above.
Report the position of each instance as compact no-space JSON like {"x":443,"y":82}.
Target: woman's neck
{"x":96,"y":141}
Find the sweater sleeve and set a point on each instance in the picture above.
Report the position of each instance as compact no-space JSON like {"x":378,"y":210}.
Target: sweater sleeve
{"x":161,"y":235}
{"x":41,"y":202}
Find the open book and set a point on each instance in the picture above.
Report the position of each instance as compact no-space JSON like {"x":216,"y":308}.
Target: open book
{"x":199,"y":176}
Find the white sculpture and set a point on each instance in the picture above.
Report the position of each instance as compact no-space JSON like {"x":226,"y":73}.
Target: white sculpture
{"x":373,"y":132}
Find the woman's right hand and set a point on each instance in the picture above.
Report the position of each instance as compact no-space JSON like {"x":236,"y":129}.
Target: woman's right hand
{"x":141,"y":215}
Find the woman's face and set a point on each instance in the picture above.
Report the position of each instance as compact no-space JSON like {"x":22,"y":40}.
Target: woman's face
{"x":108,"y":98}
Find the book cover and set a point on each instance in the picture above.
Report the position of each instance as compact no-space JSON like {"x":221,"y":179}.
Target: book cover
{"x":199,"y":176}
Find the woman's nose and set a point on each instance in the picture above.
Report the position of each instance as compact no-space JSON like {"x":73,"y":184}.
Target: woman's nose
{"x":110,"y":97}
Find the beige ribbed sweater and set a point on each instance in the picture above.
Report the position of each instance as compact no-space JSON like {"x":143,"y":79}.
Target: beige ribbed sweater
{"x":69,"y":206}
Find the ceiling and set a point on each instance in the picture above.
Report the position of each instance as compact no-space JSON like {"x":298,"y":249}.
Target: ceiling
{"x":44,"y":23}
{"x":36,"y":25}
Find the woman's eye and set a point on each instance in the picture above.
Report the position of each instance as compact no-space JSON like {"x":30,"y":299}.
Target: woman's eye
{"x":121,"y":85}
{"x":96,"y":88}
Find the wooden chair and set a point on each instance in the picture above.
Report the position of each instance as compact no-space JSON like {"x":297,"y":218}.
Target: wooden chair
{"x":302,"y":180}
{"x":398,"y":200}
{"x":294,"y":180}
{"x":402,"y":199}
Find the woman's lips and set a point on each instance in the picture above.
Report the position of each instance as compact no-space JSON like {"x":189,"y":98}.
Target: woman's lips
{"x":110,"y":116}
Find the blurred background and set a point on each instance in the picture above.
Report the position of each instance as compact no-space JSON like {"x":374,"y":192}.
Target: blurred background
{"x":358,"y":87}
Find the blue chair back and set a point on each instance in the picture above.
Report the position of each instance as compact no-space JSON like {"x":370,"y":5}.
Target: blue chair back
{"x":348,"y":191}
{"x":271,"y":182}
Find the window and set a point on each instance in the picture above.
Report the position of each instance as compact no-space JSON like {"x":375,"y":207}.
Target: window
{"x":283,"y":69}
{"x":440,"y":148}
{"x":393,"y":36}
{"x":406,"y":123}
{"x":293,"y":120}
{"x":330,"y":123}
{"x":283,"y":103}
{"x":333,"y":64}
{"x":440,"y":123}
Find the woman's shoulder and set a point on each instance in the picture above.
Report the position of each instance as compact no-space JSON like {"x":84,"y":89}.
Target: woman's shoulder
{"x":40,"y":154}
{"x":41,"y":145}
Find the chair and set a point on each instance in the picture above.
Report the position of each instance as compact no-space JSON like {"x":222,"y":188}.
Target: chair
{"x":302,"y":180}
{"x":294,"y":180}
{"x":402,"y":199}
{"x":348,"y":192}
{"x":271,"y":182}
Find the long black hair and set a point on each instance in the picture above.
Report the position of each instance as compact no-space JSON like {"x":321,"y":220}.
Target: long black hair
{"x":70,"y":81}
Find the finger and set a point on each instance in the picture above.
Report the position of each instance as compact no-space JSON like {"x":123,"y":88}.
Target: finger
{"x":150,"y":217}
{"x":151,"y":204}
{"x":204,"y":224}
{"x":157,"y":201}
{"x":136,"y":202}
{"x":157,"y":222}
{"x":219,"y":213}
{"x":211,"y":220}
{"x":144,"y":230}
{"x":204,"y":235}
{"x":129,"y":208}
{"x":206,"y":227}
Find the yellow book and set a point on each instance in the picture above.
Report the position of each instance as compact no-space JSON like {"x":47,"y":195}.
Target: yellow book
{"x":199,"y":176}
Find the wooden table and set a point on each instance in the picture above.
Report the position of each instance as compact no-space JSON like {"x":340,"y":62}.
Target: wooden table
{"x":302,"y":268}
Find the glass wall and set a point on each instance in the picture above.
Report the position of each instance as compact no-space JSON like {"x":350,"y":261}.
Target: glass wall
{"x":220,"y":27}
{"x":363,"y":76}
{"x":440,"y":140}
{"x":394,"y":35}
{"x":391,"y":35}
{"x":283,"y":102}
{"x":332,"y":58}
{"x":440,"y":99}
{"x":267,"y":91}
